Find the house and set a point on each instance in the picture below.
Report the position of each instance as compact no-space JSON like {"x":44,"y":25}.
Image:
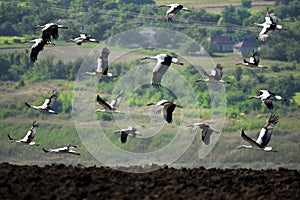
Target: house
{"x":222,"y":43}
{"x":245,"y":47}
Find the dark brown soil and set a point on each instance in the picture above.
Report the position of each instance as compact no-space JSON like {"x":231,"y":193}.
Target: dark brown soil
{"x":68,"y":182}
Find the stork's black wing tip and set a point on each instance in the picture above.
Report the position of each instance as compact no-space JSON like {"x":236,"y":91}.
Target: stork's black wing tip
{"x":45,"y":150}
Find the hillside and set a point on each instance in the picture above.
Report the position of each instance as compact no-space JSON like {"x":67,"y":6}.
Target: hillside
{"x":60,"y":130}
{"x":132,"y":30}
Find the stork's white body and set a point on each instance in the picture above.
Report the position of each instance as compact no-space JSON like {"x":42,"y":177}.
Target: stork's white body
{"x":207,"y":131}
{"x":112,"y":107}
{"x":264,"y":136}
{"x":63,"y":150}
{"x":28,"y":138}
{"x":102,"y":65}
{"x":215,"y":76}
{"x":173,"y":10}
{"x":164,"y":61}
{"x":46,"y":106}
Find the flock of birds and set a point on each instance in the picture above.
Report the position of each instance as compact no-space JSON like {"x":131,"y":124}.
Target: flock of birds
{"x":163,"y":62}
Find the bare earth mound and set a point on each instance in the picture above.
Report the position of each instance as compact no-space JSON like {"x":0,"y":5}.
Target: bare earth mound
{"x":66,"y":182}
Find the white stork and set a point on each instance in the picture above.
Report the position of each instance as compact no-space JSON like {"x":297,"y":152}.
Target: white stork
{"x":173,"y":10}
{"x":28,"y":138}
{"x":167,"y":106}
{"x":164,"y":61}
{"x":215,"y":76}
{"x":269,"y":26}
{"x":36,"y":48}
{"x":267,"y":97}
{"x":102,"y":67}
{"x":112,"y":107}
{"x":123,"y":133}
{"x":67,"y":149}
{"x":264,"y":136}
{"x":207,"y":131}
{"x":253,"y":61}
{"x":48,"y":30}
{"x":47,"y":105}
{"x":83,"y":38}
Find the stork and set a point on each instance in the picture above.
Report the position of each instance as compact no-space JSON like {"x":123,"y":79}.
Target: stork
{"x":173,"y":10}
{"x":67,"y":149}
{"x":167,"y":106}
{"x":28,"y":138}
{"x":83,"y":38}
{"x":268,"y":26}
{"x":50,"y":29}
{"x":264,"y":136}
{"x":47,"y":105}
{"x":123,"y":133}
{"x":164,"y":61}
{"x":112,"y":107}
{"x":102,"y":67}
{"x":267,"y":97}
{"x":215,"y":76}
{"x":253,"y":61}
{"x":36,"y":48}
{"x":207,"y":131}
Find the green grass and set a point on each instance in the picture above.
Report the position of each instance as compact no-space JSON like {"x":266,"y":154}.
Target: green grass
{"x":297,"y":98}
{"x":11,"y":39}
{"x":60,"y":129}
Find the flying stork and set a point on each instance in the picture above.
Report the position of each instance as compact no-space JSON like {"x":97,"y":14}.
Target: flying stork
{"x":253,"y":61}
{"x":48,"y":30}
{"x":167,"y":106}
{"x":164,"y":61}
{"x":36,"y":48}
{"x":83,"y":38}
{"x":173,"y":10}
{"x":112,"y":107}
{"x":215,"y":76}
{"x":207,"y":131}
{"x":267,"y":97}
{"x":269,"y":26}
{"x":28,"y":138}
{"x":47,"y":105}
{"x":264,"y":136}
{"x":123,"y":133}
{"x":102,"y":67}
{"x":67,"y":149}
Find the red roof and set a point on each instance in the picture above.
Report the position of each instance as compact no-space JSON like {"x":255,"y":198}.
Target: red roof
{"x":220,"y":40}
{"x":245,"y":44}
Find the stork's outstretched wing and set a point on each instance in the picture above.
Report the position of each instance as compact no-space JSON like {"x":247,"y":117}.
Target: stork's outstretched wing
{"x":103,"y":103}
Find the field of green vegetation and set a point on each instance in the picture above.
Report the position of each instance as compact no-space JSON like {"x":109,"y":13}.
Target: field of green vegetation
{"x":57,"y":68}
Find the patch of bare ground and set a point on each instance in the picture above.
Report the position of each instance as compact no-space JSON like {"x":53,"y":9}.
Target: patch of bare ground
{"x":67,"y":182}
{"x":219,"y":6}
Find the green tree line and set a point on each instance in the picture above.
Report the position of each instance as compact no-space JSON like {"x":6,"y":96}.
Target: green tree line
{"x":106,"y":18}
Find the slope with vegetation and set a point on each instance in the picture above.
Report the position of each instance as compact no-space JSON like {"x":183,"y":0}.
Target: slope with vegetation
{"x":20,"y":83}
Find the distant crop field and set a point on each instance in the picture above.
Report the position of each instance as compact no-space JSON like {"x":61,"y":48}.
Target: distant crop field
{"x":8,"y":40}
{"x":218,"y":5}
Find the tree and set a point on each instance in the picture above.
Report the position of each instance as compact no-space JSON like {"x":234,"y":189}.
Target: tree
{"x":246,"y":3}
{"x":238,"y":73}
